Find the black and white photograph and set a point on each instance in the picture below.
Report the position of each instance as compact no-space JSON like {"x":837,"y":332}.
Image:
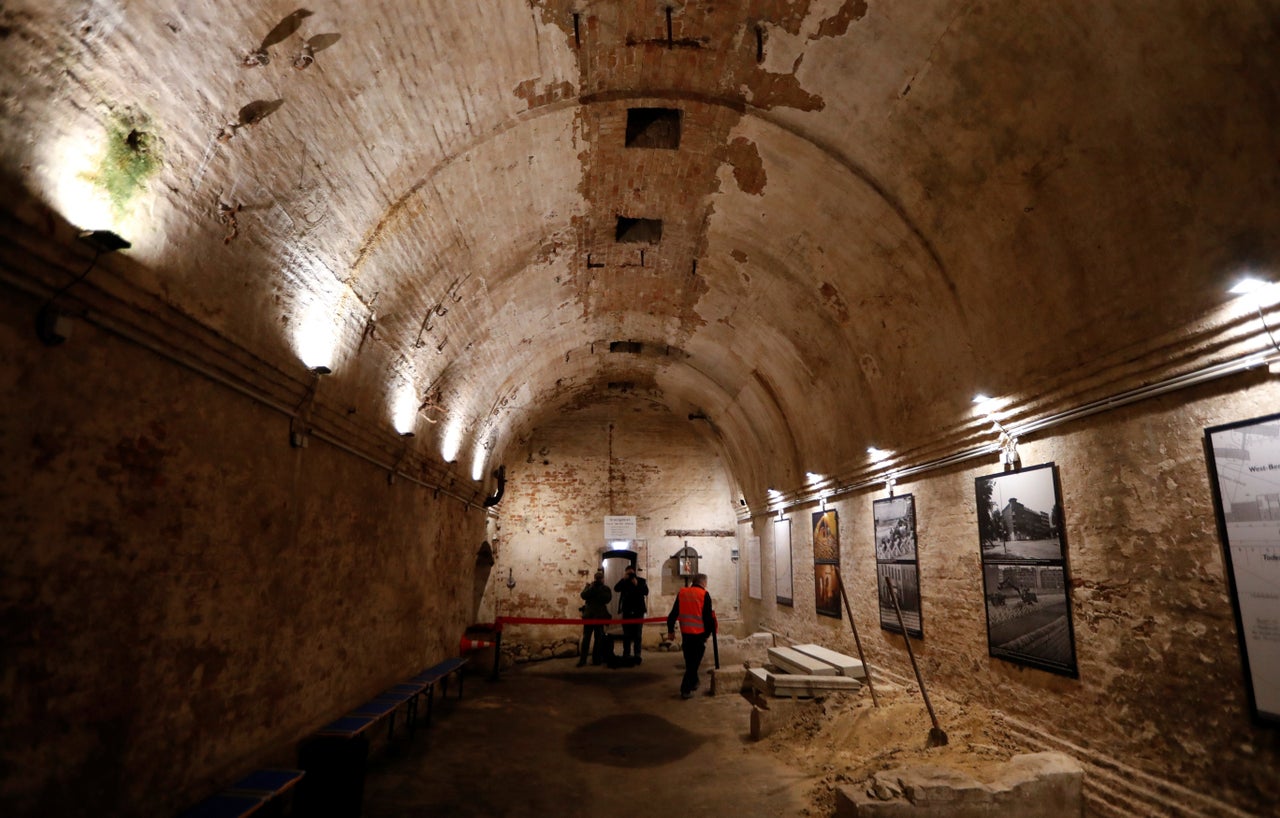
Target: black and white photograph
{"x":1019,"y":516}
{"x":1029,"y":616}
{"x":906,"y":582}
{"x":1244,"y":471}
{"x":895,"y":519}
{"x":896,"y":559}
{"x":1024,"y":569}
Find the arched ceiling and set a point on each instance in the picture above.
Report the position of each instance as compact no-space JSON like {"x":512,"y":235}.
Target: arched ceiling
{"x":874,"y":210}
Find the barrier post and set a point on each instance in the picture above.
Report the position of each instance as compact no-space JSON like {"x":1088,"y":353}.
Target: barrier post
{"x":497,"y":649}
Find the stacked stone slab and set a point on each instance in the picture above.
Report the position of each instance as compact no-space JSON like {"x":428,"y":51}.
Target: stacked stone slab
{"x":844,"y":665}
{"x":807,"y":673}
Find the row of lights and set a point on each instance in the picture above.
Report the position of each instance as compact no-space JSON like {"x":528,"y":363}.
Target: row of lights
{"x":315,"y":343}
{"x":1255,"y":289}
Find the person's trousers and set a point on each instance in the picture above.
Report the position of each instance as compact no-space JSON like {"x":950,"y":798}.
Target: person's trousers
{"x":631,"y":636}
{"x":587,"y":631}
{"x":693,"y":646}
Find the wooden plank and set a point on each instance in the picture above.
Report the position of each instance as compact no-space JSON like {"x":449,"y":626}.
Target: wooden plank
{"x":790,"y":660}
{"x":844,"y":665}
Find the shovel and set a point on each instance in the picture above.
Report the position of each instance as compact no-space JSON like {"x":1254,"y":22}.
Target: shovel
{"x":863,"y":659}
{"x":937,"y":737}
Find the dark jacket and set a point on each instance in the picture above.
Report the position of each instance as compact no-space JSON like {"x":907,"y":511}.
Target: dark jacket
{"x":596,"y":596}
{"x":631,"y":597}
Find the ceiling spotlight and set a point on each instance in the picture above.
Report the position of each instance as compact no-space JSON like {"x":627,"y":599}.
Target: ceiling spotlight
{"x":981,"y":398}
{"x":1249,"y":286}
{"x":878,"y":455}
{"x":104,"y":241}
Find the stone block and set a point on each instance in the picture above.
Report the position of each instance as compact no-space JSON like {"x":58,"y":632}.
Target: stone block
{"x":728,"y":680}
{"x":844,"y":665}
{"x":791,"y":660}
{"x":798,"y":685}
{"x":1036,"y":785}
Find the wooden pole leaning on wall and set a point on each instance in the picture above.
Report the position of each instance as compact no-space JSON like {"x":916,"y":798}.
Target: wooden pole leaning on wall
{"x":861,"y":658}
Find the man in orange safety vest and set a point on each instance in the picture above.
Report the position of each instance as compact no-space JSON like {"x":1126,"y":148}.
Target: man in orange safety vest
{"x":692,"y":609}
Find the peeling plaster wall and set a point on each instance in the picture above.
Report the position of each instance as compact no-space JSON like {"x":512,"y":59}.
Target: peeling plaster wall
{"x":1161,"y":685}
{"x":625,"y":459}
{"x":184,"y":595}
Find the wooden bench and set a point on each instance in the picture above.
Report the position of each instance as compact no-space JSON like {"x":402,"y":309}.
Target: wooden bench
{"x":246,"y":796}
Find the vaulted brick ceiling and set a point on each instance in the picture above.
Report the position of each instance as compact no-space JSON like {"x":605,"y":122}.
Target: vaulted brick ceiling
{"x":874,"y":209}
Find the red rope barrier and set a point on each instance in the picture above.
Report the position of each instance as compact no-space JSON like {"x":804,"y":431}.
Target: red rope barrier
{"x":536,"y":620}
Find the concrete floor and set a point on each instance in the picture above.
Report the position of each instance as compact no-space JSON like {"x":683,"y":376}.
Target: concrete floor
{"x":550,"y":738}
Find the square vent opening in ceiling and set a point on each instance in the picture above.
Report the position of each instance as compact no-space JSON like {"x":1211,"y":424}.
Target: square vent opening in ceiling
{"x":653,"y":128}
{"x":638,"y":231}
{"x":633,"y":347}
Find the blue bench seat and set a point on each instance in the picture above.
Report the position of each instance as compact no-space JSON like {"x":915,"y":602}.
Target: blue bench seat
{"x":246,"y":796}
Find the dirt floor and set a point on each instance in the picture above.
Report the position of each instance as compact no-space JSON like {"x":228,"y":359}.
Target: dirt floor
{"x":843,"y":739}
{"x":550,"y":738}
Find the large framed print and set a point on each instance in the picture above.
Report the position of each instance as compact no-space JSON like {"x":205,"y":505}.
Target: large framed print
{"x":1244,"y":472}
{"x":1024,"y":569}
{"x":896,"y":561}
{"x":782,"y":561}
{"x":826,"y":563}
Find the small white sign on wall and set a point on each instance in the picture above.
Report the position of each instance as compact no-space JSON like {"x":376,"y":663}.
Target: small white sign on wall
{"x":619,"y":528}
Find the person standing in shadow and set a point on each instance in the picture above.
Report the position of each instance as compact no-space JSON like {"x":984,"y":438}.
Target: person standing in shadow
{"x":595,"y":605}
{"x":692,"y":609}
{"x":632,"y":593}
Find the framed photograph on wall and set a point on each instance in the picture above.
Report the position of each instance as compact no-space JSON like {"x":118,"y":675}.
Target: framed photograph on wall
{"x":782,"y":561}
{"x":1244,"y":474}
{"x":1024,"y":569}
{"x":896,"y":560}
{"x":826,"y":563}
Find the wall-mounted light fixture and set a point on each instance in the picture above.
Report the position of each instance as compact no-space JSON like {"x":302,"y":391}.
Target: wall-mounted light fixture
{"x":878,"y":455}
{"x":889,"y":484}
{"x":300,"y":422}
{"x":53,"y":326}
{"x":1254,"y":291}
{"x":407,"y":437}
{"x":1249,"y":285}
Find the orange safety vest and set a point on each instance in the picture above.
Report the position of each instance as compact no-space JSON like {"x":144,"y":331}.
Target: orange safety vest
{"x":689,"y":613}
